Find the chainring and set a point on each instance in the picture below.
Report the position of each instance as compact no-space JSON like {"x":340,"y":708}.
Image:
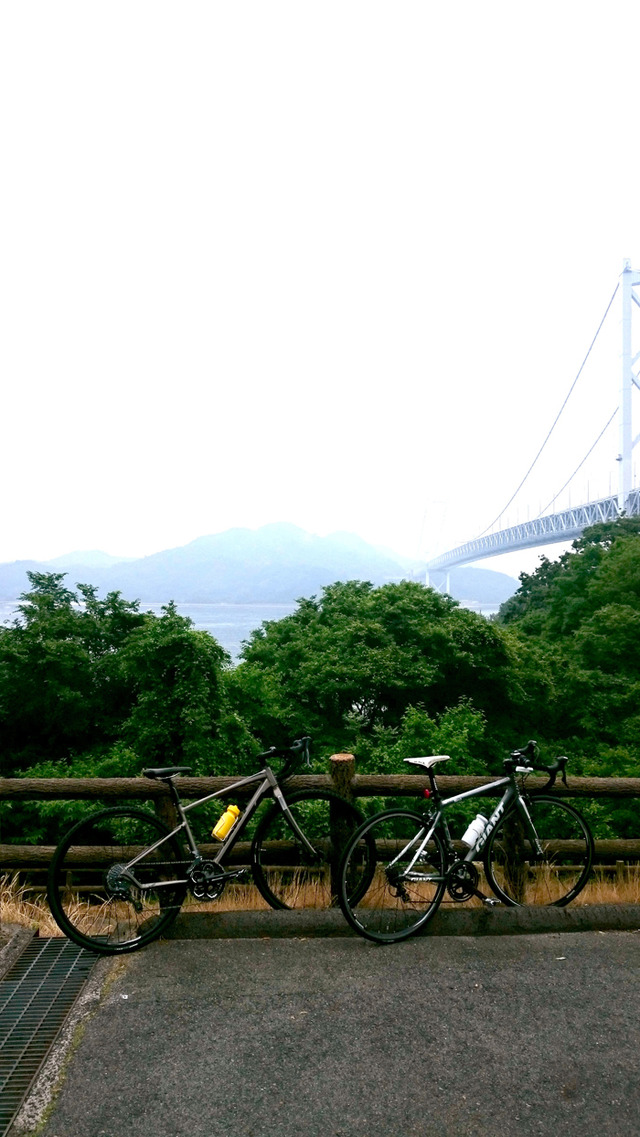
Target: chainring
{"x":206,"y":880}
{"x":462,"y":880}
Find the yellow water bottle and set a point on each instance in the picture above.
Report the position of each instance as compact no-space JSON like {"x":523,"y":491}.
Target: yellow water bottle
{"x":226,"y":822}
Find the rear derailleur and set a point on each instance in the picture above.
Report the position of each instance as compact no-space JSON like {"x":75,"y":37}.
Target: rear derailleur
{"x":120,"y":885}
{"x":397,"y":885}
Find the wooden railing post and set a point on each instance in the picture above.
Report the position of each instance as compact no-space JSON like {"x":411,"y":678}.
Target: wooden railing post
{"x":166,"y":810}
{"x":342,"y":769}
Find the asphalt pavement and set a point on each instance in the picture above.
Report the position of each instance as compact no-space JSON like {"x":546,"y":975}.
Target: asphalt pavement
{"x":472,"y":1036}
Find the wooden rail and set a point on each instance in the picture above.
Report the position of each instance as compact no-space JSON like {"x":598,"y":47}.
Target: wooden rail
{"x":341,"y":776}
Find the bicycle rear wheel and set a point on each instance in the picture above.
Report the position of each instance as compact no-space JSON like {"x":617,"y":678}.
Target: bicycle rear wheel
{"x":401,"y":896}
{"x":95,"y":902}
{"x":521,"y":876}
{"x":284,"y":871}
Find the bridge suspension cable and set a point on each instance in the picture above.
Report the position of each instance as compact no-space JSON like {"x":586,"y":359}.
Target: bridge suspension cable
{"x":580,"y":465}
{"x":555,"y":422}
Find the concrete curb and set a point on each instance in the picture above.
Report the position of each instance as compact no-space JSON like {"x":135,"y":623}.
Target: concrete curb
{"x":18,"y":938}
{"x":456,"y":922}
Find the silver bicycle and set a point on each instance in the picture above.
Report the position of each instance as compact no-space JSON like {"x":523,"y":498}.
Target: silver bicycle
{"x":535,"y":849}
{"x":120,"y":876}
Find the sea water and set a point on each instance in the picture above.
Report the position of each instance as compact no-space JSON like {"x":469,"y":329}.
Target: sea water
{"x":229,"y":624}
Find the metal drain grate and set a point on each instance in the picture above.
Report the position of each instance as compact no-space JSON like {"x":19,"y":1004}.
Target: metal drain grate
{"x":36,"y":996}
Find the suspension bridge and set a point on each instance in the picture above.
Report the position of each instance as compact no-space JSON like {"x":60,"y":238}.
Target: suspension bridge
{"x":570,"y":523}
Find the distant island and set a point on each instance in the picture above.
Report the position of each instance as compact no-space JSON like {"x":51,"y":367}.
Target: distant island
{"x":275,"y":564}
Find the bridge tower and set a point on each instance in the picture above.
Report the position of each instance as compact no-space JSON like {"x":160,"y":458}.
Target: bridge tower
{"x":571,"y":523}
{"x":629,"y":379}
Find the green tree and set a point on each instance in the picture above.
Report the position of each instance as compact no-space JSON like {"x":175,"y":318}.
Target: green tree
{"x":80,"y":675}
{"x":59,"y":691}
{"x":582,"y":613}
{"x":356,"y":658}
{"x":555,"y":599}
{"x":459,"y":732}
{"x":180,"y":710}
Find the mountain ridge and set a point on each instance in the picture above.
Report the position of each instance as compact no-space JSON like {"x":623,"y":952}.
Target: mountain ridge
{"x":277,"y":563}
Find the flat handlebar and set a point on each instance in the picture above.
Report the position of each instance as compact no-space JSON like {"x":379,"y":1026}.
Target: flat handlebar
{"x":524,"y":761}
{"x":294,"y":755}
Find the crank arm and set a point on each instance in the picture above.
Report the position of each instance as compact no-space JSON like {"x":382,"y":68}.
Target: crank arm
{"x":488,"y":901}
{"x":234,"y":874}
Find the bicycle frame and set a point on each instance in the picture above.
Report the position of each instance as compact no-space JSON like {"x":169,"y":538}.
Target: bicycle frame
{"x":268,"y":787}
{"x":438,"y":821}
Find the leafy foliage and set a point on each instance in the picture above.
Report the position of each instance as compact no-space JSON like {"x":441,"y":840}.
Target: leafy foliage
{"x":79,"y":675}
{"x":555,"y":599}
{"x":458,"y":732}
{"x":355,"y":659}
{"x":45,"y":822}
{"x":60,"y":687}
{"x":581,"y":615}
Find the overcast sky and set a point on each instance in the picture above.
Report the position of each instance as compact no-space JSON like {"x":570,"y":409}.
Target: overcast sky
{"x":330,"y":263}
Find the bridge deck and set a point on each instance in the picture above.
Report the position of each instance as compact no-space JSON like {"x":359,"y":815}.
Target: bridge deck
{"x":565,"y":526}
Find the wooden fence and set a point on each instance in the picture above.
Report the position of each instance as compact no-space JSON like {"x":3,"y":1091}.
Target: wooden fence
{"x":341,"y":777}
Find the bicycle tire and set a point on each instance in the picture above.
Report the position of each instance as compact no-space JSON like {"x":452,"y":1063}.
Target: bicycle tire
{"x":91,"y":904}
{"x":284,"y":872}
{"x":520,"y":877}
{"x":392,"y":908}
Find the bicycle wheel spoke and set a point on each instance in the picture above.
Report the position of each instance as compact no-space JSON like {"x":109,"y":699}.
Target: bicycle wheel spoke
{"x":519,"y":873}
{"x":100,"y":902}
{"x":286,"y":873}
{"x":401,"y":892}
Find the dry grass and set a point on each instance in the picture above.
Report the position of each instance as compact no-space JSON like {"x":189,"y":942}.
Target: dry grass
{"x":23,"y":906}
{"x":622,"y":887}
{"x":28,"y":907}
{"x":18,"y":906}
{"x":604,"y":887}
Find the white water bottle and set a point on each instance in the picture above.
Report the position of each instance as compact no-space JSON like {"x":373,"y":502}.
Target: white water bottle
{"x":475,"y":830}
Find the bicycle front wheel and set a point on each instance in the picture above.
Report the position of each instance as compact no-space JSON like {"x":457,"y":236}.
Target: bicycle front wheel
{"x":403,"y":892}
{"x":519,"y":875}
{"x":103,"y":902}
{"x":285,"y":872}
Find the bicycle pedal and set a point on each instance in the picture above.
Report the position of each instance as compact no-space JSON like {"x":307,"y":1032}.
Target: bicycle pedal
{"x":238,"y":874}
{"x":490,"y":902}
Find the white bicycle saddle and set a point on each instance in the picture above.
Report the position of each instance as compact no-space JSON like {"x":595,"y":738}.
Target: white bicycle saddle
{"x":428,"y":762}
